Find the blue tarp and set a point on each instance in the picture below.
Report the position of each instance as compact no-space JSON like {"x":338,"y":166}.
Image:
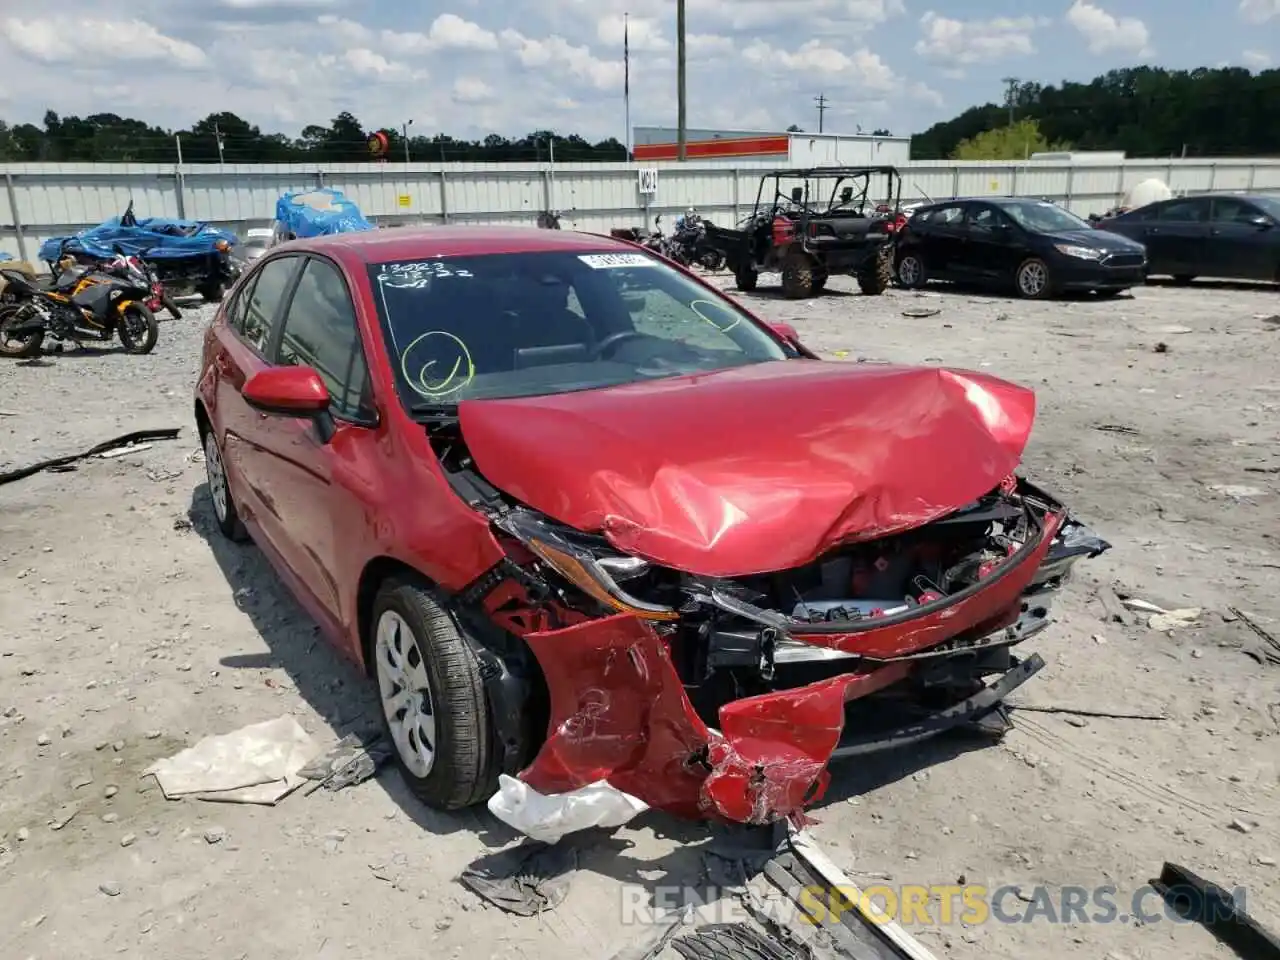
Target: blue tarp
{"x":316,"y":213}
{"x":5,"y":256}
{"x":158,"y":237}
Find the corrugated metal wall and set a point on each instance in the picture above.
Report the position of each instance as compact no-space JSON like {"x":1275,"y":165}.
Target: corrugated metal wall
{"x":44,"y":200}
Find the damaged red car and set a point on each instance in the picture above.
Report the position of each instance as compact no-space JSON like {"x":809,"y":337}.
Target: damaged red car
{"x":584,"y":519}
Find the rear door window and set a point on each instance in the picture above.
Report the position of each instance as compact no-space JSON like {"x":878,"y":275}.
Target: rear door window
{"x":1191,"y":210}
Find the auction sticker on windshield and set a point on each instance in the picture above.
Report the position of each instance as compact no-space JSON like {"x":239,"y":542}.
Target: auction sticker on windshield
{"x":612,"y":261}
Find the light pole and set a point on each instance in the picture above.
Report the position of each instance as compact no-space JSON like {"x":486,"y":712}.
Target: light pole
{"x":405,"y":130}
{"x":681,"y":129}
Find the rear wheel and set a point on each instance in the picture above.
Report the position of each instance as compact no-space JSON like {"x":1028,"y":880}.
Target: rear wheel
{"x":876,"y":273}
{"x":797,"y":275}
{"x":1032,"y":279}
{"x":434,"y":708}
{"x":138,"y":329}
{"x":19,"y":346}
{"x":224,"y":507}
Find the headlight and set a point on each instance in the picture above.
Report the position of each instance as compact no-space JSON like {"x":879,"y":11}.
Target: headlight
{"x":1080,"y":253}
{"x":584,"y":563}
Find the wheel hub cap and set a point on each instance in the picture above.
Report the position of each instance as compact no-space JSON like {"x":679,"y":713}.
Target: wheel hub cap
{"x":216,"y":475}
{"x":406,"y":693}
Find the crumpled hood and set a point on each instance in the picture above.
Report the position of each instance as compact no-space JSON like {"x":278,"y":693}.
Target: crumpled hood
{"x":757,"y":468}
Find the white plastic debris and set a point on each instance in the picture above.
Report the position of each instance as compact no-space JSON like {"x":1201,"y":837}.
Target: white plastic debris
{"x":1171,"y":620}
{"x":549,"y":818}
{"x":255,"y":764}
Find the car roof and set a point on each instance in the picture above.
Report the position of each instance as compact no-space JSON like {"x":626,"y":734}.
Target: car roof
{"x":997,"y":201}
{"x":416,"y":243}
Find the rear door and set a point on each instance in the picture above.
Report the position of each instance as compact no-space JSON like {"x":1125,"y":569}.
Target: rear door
{"x":1238,"y":247}
{"x":318,"y":489}
{"x":1178,"y":239}
{"x":240,"y":353}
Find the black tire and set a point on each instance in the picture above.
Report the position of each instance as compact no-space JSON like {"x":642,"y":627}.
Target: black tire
{"x":466,"y":760}
{"x":797,"y":275}
{"x":876,"y":274}
{"x":745,"y":278}
{"x":916,"y":276}
{"x":713,"y":261}
{"x":138,"y":329}
{"x":1109,"y":294}
{"x":1026,"y":287}
{"x":1182,"y":279}
{"x":212,"y":291}
{"x":820,"y":278}
{"x":19,"y":348}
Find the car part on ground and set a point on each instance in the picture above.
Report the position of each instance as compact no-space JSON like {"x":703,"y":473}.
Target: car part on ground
{"x":1033,"y":247}
{"x":62,"y":463}
{"x":811,"y":224}
{"x":1200,"y":901}
{"x":653,"y":584}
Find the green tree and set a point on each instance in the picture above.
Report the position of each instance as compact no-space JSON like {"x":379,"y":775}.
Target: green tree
{"x":1016,"y":142}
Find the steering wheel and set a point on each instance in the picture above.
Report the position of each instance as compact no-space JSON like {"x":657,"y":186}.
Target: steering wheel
{"x":614,"y":339}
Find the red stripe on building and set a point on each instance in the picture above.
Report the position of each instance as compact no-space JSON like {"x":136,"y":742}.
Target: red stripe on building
{"x":721,"y":147}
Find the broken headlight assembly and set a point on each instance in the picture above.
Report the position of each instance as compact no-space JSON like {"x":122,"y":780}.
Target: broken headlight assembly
{"x":586,"y":562}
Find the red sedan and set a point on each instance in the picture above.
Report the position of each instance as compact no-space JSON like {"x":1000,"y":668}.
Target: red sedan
{"x":584,"y":518}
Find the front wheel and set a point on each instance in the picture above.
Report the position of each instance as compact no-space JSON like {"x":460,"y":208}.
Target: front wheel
{"x":22,"y":345}
{"x":138,"y":329}
{"x":876,"y":274}
{"x":1032,"y":280}
{"x":911,"y":271}
{"x":434,"y":708}
{"x":797,"y":275}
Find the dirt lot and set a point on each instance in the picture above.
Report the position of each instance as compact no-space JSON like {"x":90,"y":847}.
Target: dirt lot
{"x":127,"y":631}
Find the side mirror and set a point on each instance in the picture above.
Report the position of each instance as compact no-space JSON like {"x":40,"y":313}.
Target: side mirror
{"x":786,"y":331}
{"x":1262,"y":222}
{"x":797,"y":194}
{"x":846,"y":194}
{"x":290,"y":392}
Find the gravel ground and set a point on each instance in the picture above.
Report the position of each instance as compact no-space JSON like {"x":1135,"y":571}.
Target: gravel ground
{"x":127,"y":631}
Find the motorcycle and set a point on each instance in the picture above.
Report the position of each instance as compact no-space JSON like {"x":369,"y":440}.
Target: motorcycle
{"x":140,"y":271}
{"x":81,"y":305}
{"x":690,"y":238}
{"x":549,"y":220}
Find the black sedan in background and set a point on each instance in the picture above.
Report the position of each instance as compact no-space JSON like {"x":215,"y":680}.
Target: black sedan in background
{"x":1232,"y":236}
{"x":1034,"y":246}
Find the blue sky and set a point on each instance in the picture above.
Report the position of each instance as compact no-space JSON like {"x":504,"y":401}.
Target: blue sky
{"x":470,"y":68}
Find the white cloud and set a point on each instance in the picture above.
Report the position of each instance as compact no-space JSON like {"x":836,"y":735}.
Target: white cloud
{"x":642,"y":33}
{"x":447,"y":32}
{"x":120,"y":40}
{"x":957,"y":43}
{"x":472,"y":90}
{"x":1259,"y":11}
{"x":451,"y":32}
{"x":1104,"y":33}
{"x":862,"y":66}
{"x":1256,"y":59}
{"x":276,"y":4}
{"x":558,"y":54}
{"x":707,"y":44}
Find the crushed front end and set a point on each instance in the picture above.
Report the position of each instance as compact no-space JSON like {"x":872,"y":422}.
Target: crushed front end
{"x":727,"y":697}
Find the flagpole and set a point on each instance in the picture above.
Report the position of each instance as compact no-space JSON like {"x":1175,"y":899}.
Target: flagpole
{"x":626,"y":82}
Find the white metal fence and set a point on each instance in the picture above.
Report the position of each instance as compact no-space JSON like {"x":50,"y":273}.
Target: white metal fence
{"x":55,"y":199}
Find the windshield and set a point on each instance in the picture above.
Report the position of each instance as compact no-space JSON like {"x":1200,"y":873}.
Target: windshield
{"x":1268,"y":205}
{"x":1041,"y":216}
{"x":529,"y":324}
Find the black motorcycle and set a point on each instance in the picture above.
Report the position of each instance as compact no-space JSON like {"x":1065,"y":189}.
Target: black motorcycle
{"x":690,"y":239}
{"x":79,"y":306}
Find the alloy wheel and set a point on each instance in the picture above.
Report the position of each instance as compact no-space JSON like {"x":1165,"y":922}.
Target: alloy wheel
{"x":909,"y":271}
{"x":1032,"y":279}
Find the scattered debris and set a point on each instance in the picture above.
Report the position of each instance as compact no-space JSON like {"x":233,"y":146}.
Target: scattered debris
{"x":656,"y":936}
{"x":1116,"y":428}
{"x":1082,"y":712}
{"x":1142,"y":606}
{"x":256,"y":764}
{"x":65,"y":815}
{"x":1241,"y":826}
{"x":58,"y":463}
{"x":110,"y":888}
{"x":352,"y":760}
{"x":1264,"y":635}
{"x":730,"y":941}
{"x":124,"y":451}
{"x":1160,"y":347}
{"x":549,"y":818}
{"x":1237,"y":491}
{"x":1116,"y":611}
{"x":1198,"y":900}
{"x":920,"y":313}
{"x":527,"y":880}
{"x":1170,"y":620}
